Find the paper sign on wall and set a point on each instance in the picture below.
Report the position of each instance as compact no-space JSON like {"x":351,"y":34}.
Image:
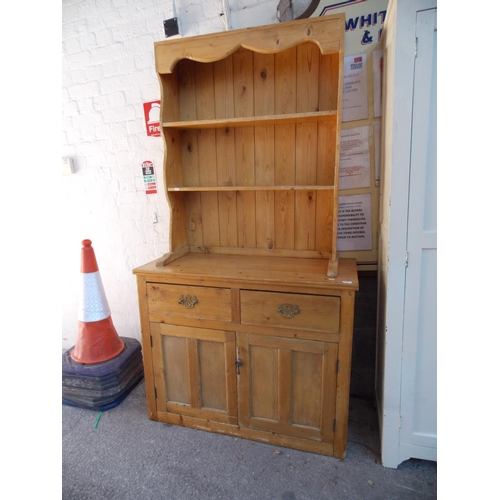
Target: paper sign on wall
{"x":355,"y":95}
{"x":354,"y":223}
{"x":148,"y":174}
{"x":152,"y":118}
{"x":355,"y":158}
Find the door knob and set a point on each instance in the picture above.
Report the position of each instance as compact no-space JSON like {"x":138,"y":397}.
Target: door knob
{"x":238,"y":363}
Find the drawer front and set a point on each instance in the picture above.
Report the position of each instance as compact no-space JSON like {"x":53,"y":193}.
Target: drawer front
{"x":188,"y":302}
{"x":291,"y":310}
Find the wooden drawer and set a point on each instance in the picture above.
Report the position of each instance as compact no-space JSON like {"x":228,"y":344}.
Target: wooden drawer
{"x":290,"y":310}
{"x":188,"y":302}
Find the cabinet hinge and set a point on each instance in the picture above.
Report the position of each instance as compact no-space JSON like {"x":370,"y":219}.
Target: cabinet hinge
{"x":151,"y":341}
{"x":156,"y":395}
{"x":416,"y":47}
{"x":334,"y":424}
{"x":406,"y":259}
{"x":338,"y":364}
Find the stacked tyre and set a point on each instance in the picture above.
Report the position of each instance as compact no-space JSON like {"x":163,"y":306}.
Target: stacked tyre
{"x":101,"y":386}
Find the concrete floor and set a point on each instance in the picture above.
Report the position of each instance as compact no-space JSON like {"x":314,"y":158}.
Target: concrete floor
{"x":127,"y":456}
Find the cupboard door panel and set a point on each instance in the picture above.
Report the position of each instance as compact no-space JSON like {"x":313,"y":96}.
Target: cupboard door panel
{"x":175,"y":361}
{"x":264,"y":383}
{"x":212,"y":375}
{"x":195,"y":372}
{"x":287,"y":386}
{"x":306,"y":371}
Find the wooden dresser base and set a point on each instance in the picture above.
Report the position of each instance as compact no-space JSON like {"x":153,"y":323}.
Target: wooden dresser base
{"x":254,"y":347}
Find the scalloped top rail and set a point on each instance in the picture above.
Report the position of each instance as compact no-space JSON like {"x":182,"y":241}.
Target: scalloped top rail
{"x":327,"y":32}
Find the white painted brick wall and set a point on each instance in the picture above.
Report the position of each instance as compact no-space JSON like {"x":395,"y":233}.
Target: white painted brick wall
{"x":249,"y":13}
{"x":107,"y":74}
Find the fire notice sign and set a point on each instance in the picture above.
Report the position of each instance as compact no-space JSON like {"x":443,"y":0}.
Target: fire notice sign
{"x":152,"y":118}
{"x":148,"y":174}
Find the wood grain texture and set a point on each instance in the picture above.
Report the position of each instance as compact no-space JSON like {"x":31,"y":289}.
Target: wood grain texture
{"x":315,"y":312}
{"x":289,"y":118}
{"x":176,"y":366}
{"x":193,"y":219}
{"x":306,"y":373}
{"x":194,"y":372}
{"x":284,"y":382}
{"x":147,"y":354}
{"x":304,"y":272}
{"x":327,"y":32}
{"x":211,"y":303}
{"x":169,"y":94}
{"x":212,"y":374}
{"x":267,"y":437}
{"x":344,"y":373}
{"x":264,"y":150}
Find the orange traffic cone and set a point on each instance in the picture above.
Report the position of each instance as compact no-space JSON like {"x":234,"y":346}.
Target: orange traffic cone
{"x":97,"y":340}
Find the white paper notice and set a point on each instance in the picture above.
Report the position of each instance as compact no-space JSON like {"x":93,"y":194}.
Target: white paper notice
{"x":377,"y":82}
{"x":355,"y":158}
{"x":355,"y":96}
{"x":354,"y":223}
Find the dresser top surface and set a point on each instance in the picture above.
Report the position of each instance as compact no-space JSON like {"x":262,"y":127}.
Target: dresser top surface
{"x":240,"y":269}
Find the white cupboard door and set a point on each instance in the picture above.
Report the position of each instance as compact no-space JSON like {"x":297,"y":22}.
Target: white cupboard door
{"x":418,"y":435}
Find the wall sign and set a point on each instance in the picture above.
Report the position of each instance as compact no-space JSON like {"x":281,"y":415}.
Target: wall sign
{"x":364,"y":21}
{"x":152,"y":118}
{"x":148,"y":174}
{"x":355,"y":158}
{"x":355,"y":95}
{"x":354,"y":223}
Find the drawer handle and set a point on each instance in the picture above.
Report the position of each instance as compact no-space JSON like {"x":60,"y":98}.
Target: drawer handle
{"x":288,"y":310}
{"x":187,"y":301}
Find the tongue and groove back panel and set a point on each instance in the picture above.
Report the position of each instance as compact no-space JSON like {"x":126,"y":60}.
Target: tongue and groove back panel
{"x":252,"y":153}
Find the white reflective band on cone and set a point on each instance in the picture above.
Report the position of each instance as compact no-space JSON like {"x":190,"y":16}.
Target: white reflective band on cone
{"x":93,"y":305}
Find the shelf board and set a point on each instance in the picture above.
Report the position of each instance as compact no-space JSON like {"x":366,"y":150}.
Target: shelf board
{"x":254,"y":121}
{"x":251,"y":188}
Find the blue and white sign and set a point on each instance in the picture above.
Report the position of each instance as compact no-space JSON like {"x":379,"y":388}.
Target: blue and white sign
{"x":363,"y":24}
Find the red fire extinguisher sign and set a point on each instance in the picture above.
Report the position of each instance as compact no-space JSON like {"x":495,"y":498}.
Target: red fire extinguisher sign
{"x":152,"y":118}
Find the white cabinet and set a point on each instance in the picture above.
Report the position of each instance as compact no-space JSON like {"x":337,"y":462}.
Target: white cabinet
{"x":406,"y":332}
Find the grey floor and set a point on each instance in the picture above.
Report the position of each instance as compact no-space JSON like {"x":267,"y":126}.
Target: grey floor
{"x":127,"y":456}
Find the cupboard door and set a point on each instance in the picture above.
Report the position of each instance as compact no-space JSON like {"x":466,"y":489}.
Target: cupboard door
{"x":287,"y":386}
{"x":194,"y":372}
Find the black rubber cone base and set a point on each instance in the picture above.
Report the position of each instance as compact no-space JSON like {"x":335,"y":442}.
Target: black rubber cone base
{"x":101,"y":386}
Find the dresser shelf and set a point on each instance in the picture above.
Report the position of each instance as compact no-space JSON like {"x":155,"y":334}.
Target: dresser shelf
{"x":251,"y":188}
{"x":255,"y":121}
